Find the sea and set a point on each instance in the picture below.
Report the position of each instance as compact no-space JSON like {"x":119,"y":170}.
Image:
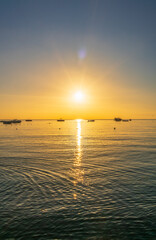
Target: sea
{"x":78,"y":180}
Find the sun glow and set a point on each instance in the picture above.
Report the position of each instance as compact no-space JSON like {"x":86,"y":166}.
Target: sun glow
{"x":79,"y":96}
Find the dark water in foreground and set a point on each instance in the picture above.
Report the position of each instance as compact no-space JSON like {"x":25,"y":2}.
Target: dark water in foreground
{"x":83,"y":181}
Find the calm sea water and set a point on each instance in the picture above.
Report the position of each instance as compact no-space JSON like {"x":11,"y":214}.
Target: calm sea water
{"x":78,"y":180}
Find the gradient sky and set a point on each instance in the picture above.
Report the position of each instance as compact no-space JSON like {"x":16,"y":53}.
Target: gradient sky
{"x":49,"y":49}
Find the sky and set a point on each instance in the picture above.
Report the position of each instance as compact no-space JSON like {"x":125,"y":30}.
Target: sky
{"x":52,"y":49}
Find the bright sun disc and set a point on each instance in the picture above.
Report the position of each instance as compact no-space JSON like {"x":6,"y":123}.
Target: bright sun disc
{"x":79,"y":96}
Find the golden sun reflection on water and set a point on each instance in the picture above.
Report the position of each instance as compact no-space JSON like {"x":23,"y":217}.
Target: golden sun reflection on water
{"x":78,"y":171}
{"x":79,"y":140}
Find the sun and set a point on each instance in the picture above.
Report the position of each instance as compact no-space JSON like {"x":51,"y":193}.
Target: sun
{"x":79,"y":96}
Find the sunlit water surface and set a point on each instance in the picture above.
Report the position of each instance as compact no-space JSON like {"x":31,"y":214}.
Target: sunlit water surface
{"x":78,"y":180}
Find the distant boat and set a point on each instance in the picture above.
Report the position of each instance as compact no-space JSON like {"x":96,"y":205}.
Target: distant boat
{"x":28,"y":120}
{"x":11,"y":121}
{"x":60,"y":120}
{"x":117,"y":119}
{"x":125,"y":120}
{"x":16,"y":121}
{"x":7,"y":122}
{"x":91,"y":120}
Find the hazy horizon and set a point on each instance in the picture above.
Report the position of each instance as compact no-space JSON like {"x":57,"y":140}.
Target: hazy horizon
{"x":77,"y":118}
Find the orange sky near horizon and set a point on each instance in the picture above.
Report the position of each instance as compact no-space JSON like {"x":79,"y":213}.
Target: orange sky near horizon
{"x":103,"y":98}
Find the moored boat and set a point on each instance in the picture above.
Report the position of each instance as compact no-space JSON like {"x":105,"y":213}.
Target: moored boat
{"x":117,"y":119}
{"x":7,"y":122}
{"x":91,"y":120}
{"x":16,"y":121}
{"x":11,"y":121}
{"x":60,"y":120}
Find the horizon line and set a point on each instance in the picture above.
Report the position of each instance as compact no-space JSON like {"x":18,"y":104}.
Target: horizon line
{"x":79,"y":118}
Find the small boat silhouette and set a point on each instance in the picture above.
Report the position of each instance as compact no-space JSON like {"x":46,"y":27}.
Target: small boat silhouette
{"x":60,"y":120}
{"x":11,"y":121}
{"x":7,"y":122}
{"x":117,"y":119}
{"x":91,"y":120}
{"x":16,"y":121}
